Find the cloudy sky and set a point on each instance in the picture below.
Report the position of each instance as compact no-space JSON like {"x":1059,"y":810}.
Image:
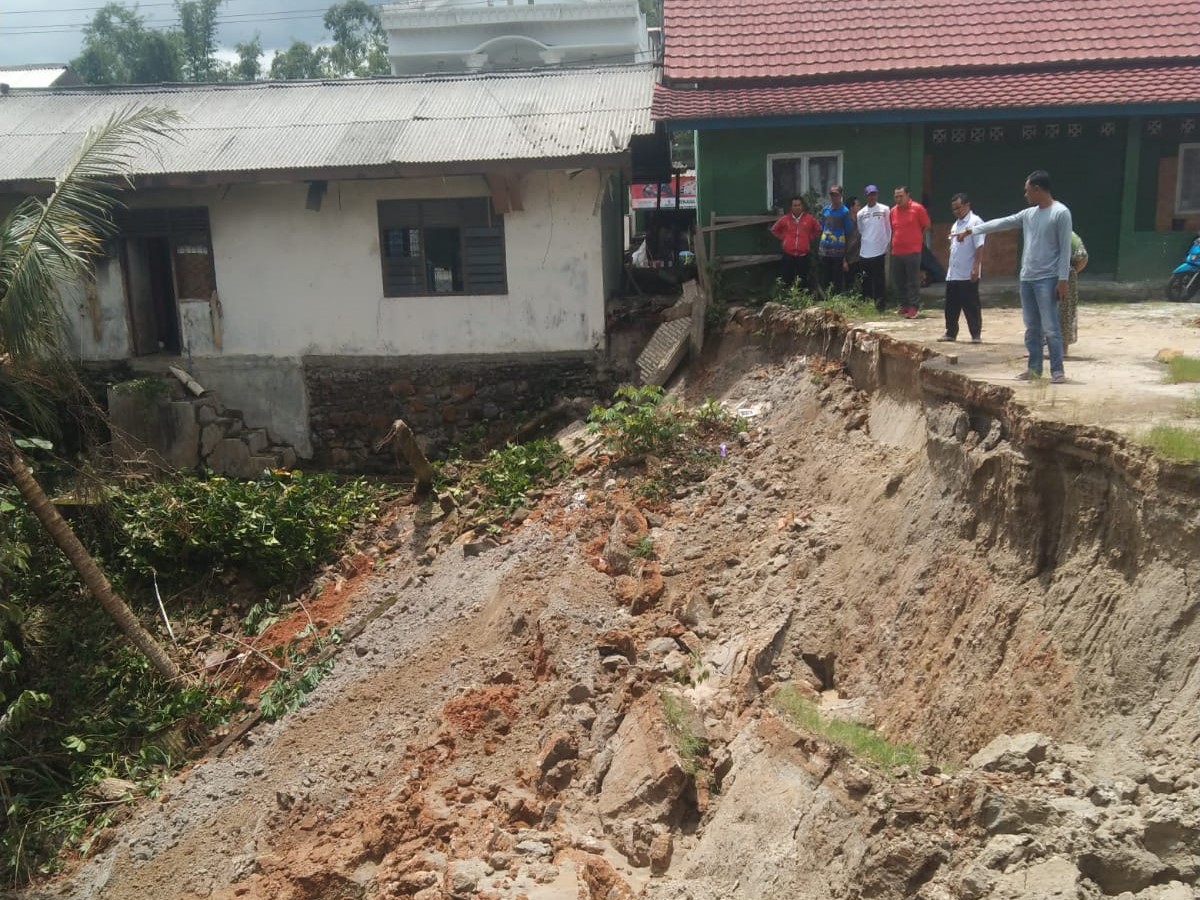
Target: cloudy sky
{"x":51,"y":31}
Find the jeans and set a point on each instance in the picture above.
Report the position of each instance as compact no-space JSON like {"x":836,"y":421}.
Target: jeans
{"x":1039,"y":309}
{"x":906,"y":276}
{"x":833,"y":279}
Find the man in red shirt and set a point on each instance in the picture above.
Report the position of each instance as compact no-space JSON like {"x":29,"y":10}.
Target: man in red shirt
{"x":909,"y":221}
{"x":796,"y":232}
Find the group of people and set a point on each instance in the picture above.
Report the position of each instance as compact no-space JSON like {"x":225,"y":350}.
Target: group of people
{"x":853,"y":242}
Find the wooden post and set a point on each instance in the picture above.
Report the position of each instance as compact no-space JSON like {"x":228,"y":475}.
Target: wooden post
{"x":402,"y":441}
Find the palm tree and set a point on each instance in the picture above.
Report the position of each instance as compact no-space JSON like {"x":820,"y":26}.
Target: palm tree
{"x":44,"y":244}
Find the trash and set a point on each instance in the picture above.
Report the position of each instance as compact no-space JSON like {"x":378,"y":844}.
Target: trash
{"x":724,"y":451}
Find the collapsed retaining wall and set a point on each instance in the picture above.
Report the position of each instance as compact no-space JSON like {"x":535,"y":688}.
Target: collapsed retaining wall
{"x":354,"y":400}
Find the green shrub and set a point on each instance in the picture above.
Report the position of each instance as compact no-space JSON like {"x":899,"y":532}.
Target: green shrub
{"x":274,"y":529}
{"x":1183,"y":370}
{"x":508,"y":475}
{"x":640,"y":420}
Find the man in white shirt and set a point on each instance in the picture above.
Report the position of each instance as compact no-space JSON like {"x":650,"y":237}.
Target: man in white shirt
{"x":962,"y":275}
{"x":876,"y":230}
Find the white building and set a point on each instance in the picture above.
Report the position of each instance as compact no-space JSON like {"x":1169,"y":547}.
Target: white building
{"x":303,"y":248}
{"x":487,"y":35}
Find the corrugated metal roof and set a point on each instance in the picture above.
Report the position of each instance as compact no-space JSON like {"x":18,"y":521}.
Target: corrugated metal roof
{"x":353,"y":123}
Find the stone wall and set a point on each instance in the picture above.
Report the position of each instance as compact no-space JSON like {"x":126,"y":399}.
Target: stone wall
{"x":354,"y":400}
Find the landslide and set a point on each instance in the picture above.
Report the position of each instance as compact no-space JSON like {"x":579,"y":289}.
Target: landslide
{"x":593,"y":708}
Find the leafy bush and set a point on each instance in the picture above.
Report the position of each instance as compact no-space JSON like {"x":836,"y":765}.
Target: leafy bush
{"x":508,"y":475}
{"x":640,"y":420}
{"x":274,"y":529}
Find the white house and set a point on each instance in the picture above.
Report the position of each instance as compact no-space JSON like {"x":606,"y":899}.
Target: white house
{"x":490,"y":35}
{"x":329,"y":256}
{"x":38,"y":75}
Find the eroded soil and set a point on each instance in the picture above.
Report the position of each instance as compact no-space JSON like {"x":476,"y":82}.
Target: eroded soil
{"x":948,"y":570}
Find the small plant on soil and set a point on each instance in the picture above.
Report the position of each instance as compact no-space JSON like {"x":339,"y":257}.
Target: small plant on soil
{"x":689,"y":738}
{"x":297,"y":677}
{"x":1183,"y":370}
{"x":643,"y":548}
{"x":851,"y":304}
{"x":1174,"y":442}
{"x":863,"y":742}
{"x":509,"y":475}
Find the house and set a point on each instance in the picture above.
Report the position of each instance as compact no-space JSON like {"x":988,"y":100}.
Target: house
{"x":38,"y":75}
{"x":1104,"y":94}
{"x":331,"y":256}
{"x":470,"y":36}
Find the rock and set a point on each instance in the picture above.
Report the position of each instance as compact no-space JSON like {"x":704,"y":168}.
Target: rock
{"x":1121,"y":868}
{"x":463,"y":876}
{"x":646,"y":778}
{"x":555,"y":749}
{"x":1056,"y":877}
{"x":534,"y":848}
{"x":1013,"y":815}
{"x":616,"y":643}
{"x":1008,"y":753}
{"x":579,"y":692}
{"x":660,"y":853}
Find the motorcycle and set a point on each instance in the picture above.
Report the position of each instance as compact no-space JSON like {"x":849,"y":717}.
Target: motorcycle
{"x":1185,"y":282}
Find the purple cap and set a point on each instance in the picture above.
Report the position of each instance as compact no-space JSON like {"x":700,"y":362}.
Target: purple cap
{"x":871,"y":189}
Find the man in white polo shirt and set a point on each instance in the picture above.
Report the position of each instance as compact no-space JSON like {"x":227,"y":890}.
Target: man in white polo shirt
{"x":962,"y":274}
{"x":876,"y":231}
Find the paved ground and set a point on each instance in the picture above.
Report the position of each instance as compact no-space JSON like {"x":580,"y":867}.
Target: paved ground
{"x":1114,"y":379}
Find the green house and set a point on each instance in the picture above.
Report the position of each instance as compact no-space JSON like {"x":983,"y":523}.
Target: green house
{"x":789,"y":98}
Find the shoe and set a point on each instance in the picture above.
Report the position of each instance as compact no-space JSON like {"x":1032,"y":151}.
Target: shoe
{"x":946,"y":339}
{"x":1028,"y":375}
{"x":910,"y":312}
{"x":976,"y":340}
{"x":1060,"y":378}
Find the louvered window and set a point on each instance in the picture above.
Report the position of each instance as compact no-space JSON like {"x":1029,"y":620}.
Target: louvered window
{"x":441,"y":247}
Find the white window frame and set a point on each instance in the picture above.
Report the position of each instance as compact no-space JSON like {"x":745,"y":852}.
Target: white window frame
{"x":803,"y":156}
{"x":1194,"y":207}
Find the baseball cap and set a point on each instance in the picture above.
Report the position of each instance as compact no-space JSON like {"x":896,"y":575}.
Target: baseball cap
{"x":871,"y":189}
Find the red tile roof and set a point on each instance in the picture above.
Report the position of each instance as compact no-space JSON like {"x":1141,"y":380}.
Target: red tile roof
{"x":797,"y":39}
{"x":1069,"y":87}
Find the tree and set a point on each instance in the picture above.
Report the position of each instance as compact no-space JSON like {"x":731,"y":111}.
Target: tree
{"x":198,"y":38}
{"x":44,"y":244}
{"x":359,"y":41}
{"x":301,"y":60}
{"x":249,"y":64}
{"x":119,"y":49}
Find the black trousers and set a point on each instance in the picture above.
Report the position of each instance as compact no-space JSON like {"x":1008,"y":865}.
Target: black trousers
{"x":793,"y":269}
{"x":874,"y":287}
{"x":963,"y":297}
{"x":833,"y":279}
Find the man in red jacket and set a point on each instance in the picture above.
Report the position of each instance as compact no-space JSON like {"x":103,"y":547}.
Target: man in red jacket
{"x":909,"y":221}
{"x":796,"y":232}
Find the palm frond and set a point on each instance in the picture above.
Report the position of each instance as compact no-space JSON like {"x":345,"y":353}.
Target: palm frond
{"x":46,"y":243}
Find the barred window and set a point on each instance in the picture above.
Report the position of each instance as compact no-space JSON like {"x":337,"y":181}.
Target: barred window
{"x":432,"y":247}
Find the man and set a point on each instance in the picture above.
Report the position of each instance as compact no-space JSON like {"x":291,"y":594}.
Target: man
{"x":836,"y":227}
{"x":909,"y":223}
{"x":1045,"y":265}
{"x":851,"y":263}
{"x":962,"y":274}
{"x":876,"y":230}
{"x":796,"y":232}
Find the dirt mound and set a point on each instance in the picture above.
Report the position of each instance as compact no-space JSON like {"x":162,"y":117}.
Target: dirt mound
{"x":603,"y":706}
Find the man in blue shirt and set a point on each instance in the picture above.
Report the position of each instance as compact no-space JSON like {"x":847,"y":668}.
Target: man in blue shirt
{"x":1045,"y":265}
{"x":837,"y":224}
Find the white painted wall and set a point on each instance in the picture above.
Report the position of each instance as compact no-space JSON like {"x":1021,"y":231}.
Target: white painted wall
{"x":293,"y":282}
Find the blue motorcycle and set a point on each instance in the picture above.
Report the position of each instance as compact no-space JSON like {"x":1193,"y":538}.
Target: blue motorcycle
{"x":1185,"y":282}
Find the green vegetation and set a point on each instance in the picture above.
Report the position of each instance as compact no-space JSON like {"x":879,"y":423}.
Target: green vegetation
{"x":508,"y":475}
{"x":78,"y":706}
{"x":690,"y":741}
{"x":851,"y":305}
{"x":863,"y":742}
{"x":643,"y":548}
{"x":1183,"y":370}
{"x":1174,"y":442}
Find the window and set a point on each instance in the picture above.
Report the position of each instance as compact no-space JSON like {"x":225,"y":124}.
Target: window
{"x":441,"y":247}
{"x":791,"y":174}
{"x":1187,"y":191}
